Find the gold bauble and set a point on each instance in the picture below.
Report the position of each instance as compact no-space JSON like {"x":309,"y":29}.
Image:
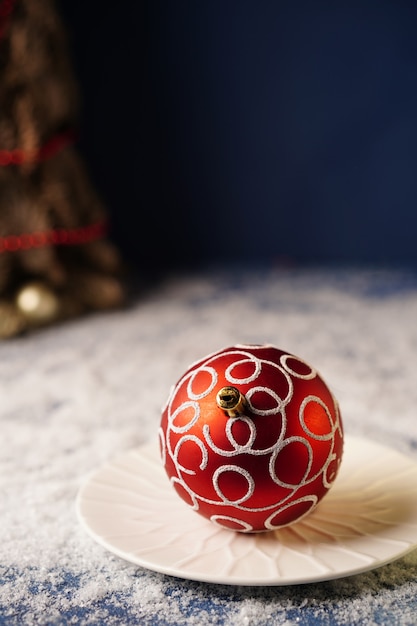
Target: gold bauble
{"x":37,"y":303}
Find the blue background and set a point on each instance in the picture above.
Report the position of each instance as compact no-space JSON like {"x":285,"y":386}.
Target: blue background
{"x":251,"y":131}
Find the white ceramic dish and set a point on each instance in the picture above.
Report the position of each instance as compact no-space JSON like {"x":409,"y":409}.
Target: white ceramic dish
{"x":368,"y":519}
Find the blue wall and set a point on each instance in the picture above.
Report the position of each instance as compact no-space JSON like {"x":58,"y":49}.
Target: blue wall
{"x":255,"y":130}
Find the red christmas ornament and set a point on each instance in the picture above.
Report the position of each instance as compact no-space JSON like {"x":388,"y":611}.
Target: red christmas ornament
{"x":251,"y":438}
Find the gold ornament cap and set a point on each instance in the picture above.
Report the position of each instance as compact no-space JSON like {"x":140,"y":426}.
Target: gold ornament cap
{"x":232,"y":401}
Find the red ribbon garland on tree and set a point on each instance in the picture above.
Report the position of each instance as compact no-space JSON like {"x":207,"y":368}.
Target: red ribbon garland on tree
{"x":54,"y":237}
{"x":19,"y":157}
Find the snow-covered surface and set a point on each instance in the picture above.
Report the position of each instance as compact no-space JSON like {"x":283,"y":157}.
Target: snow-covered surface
{"x":76,"y":395}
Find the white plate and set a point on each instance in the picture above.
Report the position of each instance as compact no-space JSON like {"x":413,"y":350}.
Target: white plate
{"x":367,"y":519}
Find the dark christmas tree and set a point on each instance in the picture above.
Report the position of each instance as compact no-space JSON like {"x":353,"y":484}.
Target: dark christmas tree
{"x":55,"y":259}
